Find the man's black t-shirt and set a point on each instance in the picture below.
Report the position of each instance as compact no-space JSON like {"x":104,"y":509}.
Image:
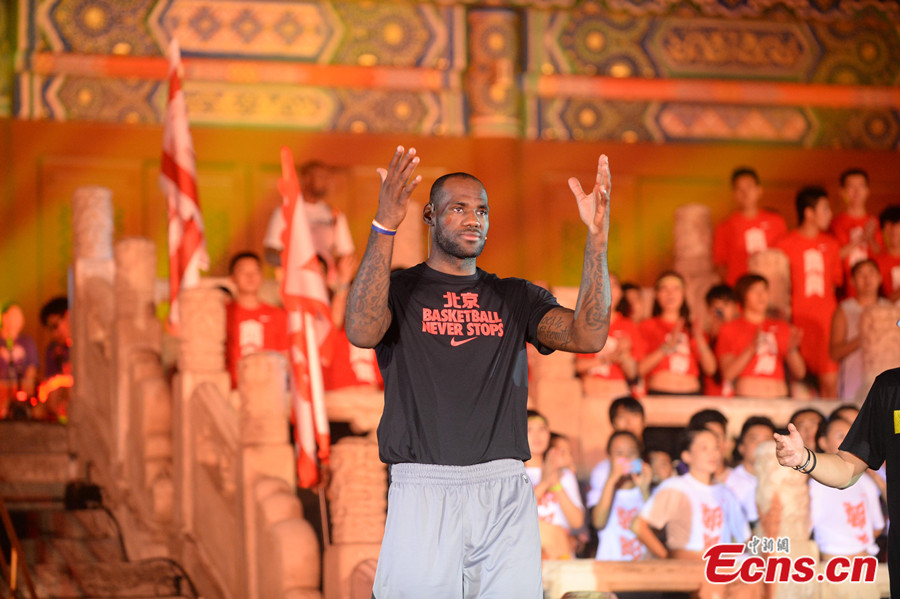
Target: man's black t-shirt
{"x":874,"y":438}
{"x":455,"y":367}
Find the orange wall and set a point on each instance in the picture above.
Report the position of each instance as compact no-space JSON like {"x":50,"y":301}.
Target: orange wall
{"x":535,"y":229}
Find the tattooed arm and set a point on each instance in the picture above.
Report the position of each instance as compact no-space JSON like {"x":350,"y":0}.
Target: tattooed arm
{"x":368,"y":316}
{"x":585,"y":329}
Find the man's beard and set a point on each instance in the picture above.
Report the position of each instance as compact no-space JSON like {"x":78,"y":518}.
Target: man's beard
{"x":452,"y":247}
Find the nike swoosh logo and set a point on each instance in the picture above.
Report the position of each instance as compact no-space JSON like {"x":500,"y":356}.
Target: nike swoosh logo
{"x":454,"y":342}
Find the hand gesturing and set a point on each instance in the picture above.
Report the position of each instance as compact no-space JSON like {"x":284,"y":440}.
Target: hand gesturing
{"x":594,"y":208}
{"x":396,"y":187}
{"x":789,"y":448}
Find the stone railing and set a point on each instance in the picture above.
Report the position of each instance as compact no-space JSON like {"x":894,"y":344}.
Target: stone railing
{"x":193,"y":471}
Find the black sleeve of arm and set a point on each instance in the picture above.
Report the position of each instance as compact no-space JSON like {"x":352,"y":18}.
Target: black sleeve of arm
{"x":868,"y":436}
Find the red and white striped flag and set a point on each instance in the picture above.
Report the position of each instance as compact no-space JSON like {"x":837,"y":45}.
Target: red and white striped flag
{"x":305,"y":299}
{"x":178,"y":179}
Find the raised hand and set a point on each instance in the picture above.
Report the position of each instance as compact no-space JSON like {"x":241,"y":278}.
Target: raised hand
{"x":288,"y":184}
{"x":594,"y":207}
{"x":795,"y":338}
{"x":789,"y":448}
{"x":396,"y":187}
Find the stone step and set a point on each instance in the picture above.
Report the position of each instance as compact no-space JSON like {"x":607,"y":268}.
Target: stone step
{"x":20,"y":496}
{"x":54,"y":580}
{"x":66,"y":524}
{"x":18,"y":436}
{"x":34,"y":467}
{"x":150,"y":578}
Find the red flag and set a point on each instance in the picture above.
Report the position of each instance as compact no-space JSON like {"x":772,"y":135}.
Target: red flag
{"x":305,"y":299}
{"x":178,"y":179}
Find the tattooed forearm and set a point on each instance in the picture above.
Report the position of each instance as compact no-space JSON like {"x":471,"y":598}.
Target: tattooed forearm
{"x":555,"y":328}
{"x":584,"y":330}
{"x":367,"y":303}
{"x":593,"y":308}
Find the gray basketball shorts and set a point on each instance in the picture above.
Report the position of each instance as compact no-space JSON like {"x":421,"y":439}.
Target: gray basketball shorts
{"x":460,"y":532}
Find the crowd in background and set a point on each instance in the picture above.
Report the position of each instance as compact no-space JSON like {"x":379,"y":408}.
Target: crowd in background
{"x":643,"y":503}
{"x":838,"y":267}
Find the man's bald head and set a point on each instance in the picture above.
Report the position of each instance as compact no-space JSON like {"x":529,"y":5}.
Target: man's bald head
{"x":437,"y":189}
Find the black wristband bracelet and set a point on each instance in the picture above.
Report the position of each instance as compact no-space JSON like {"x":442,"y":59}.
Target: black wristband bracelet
{"x":802,"y":468}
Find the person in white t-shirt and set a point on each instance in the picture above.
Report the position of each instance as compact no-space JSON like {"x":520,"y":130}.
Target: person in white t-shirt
{"x":328,"y":226}
{"x":559,"y":506}
{"x":849,"y":412}
{"x":625,"y":492}
{"x":695,"y":511}
{"x":844,"y":521}
{"x":742,"y":478}
{"x":625,"y":414}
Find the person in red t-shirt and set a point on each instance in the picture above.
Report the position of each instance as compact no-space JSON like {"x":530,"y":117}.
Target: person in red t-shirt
{"x":721,"y":307}
{"x":348,"y":366}
{"x":251,"y":325}
{"x":612,"y":371}
{"x":753,"y":348}
{"x":675,"y":350}
{"x":855,"y":229}
{"x":889,"y":260}
{"x":816,"y":274}
{"x":747,"y":230}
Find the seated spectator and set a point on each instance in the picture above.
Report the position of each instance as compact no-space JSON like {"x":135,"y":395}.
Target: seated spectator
{"x":844,"y":521}
{"x":560,"y":511}
{"x":754,"y":348}
{"x":856,"y":230}
{"x":721,"y":307}
{"x":847,"y":411}
{"x":715,"y":422}
{"x":661,"y":465}
{"x":251,"y":324}
{"x":816,"y":275}
{"x":18,"y":361}
{"x":675,"y":351}
{"x":625,"y":414}
{"x":807,"y":421}
{"x":742,"y":478}
{"x":55,"y":317}
{"x":695,"y":511}
{"x":889,"y":260}
{"x":612,"y":371}
{"x":845,"y":349}
{"x":54,"y":390}
{"x":625,"y":492}
{"x":747,"y":230}
{"x":632,"y":304}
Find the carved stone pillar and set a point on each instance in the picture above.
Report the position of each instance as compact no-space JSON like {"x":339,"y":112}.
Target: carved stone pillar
{"x":135,"y":278}
{"x":262,"y":383}
{"x":91,"y":319}
{"x":136,"y":330}
{"x":783,"y":500}
{"x":880,"y":344}
{"x":201,"y":359}
{"x":774,"y":266}
{"x":358,"y":499}
{"x":492,"y":80}
{"x":265,"y":450}
{"x":692,"y":238}
{"x":202,"y":346}
{"x":288,"y":556}
{"x":92,"y":223}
